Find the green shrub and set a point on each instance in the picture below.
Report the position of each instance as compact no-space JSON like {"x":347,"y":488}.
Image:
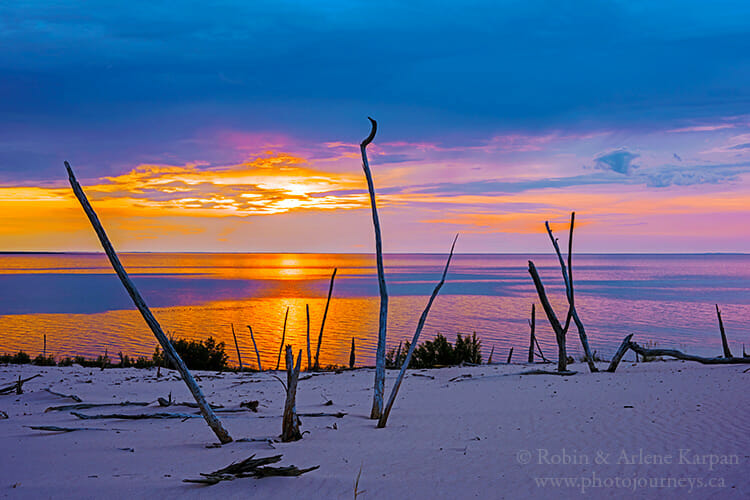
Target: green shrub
{"x":438,"y":352}
{"x":197,"y":355}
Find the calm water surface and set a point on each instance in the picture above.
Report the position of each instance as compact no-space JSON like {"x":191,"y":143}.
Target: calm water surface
{"x":78,"y":302}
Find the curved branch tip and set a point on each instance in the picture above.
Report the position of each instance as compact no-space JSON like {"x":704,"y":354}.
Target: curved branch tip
{"x":373,"y":130}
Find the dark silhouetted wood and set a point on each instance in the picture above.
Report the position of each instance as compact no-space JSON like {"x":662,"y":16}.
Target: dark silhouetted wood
{"x":620,"y":353}
{"x":236,"y":346}
{"x":283,"y":338}
{"x":687,"y":357}
{"x":532,"y":328}
{"x":211,"y":419}
{"x":351,"y":355}
{"x":290,"y":421}
{"x":309,"y":355}
{"x":510,"y":355}
{"x":724,"y":343}
{"x":17,"y":386}
{"x":422,"y":319}
{"x":255,"y":346}
{"x":562,"y":357}
{"x":323,"y":323}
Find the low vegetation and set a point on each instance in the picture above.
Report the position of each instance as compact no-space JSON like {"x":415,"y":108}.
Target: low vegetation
{"x":438,"y":352}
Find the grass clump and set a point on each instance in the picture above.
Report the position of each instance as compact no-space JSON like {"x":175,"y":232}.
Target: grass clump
{"x":20,"y":358}
{"x":197,"y":354}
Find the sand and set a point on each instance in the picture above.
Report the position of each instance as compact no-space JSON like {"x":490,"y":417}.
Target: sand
{"x":653,"y":430}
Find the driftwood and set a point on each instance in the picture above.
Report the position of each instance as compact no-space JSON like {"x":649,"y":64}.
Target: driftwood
{"x":724,"y":343}
{"x":562,"y":357}
{"x":548,"y":372}
{"x":620,"y":353}
{"x":352,"y":357}
{"x":211,"y":419}
{"x":568,"y":279}
{"x":541,"y":354}
{"x":422,"y":319}
{"x":338,"y":414}
{"x":236,"y":346}
{"x":492,"y":351}
{"x":3,"y":415}
{"x":168,"y":402}
{"x":379,"y":387}
{"x":255,"y":346}
{"x":250,"y":467}
{"x":86,"y":406}
{"x":510,"y":355}
{"x":290,"y":421}
{"x":67,"y":396}
{"x":54,"y":428}
{"x":532,"y":337}
{"x":135,"y":416}
{"x":309,"y":355}
{"x":687,"y":357}
{"x":323,"y":323}
{"x":283,"y":337}
{"x":17,"y":386}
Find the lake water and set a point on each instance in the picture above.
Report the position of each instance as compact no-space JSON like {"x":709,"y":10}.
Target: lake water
{"x":78,"y":302}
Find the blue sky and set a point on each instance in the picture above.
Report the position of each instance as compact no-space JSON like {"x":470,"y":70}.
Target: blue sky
{"x":636,"y":95}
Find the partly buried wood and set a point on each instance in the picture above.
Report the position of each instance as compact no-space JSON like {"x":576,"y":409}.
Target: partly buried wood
{"x":17,"y":386}
{"x":687,"y":357}
{"x":290,"y":422}
{"x":134,"y":416}
{"x":250,"y":467}
{"x":394,"y":392}
{"x":620,"y":353}
{"x":323,"y":323}
{"x":211,"y":419}
{"x":724,"y":343}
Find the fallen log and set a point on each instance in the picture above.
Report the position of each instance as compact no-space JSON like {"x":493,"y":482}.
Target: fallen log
{"x":619,"y":354}
{"x":86,"y":406}
{"x":687,"y":357}
{"x":547,"y":372}
{"x":54,"y":428}
{"x":67,"y":396}
{"x":135,"y":416}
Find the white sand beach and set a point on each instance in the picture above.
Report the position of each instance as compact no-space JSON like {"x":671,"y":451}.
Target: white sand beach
{"x":655,"y":430}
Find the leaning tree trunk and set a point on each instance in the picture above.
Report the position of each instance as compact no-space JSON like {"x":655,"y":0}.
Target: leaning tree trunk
{"x":211,"y":419}
{"x":323,"y":322}
{"x":562,"y":356}
{"x":394,"y":392}
{"x":379,"y":388}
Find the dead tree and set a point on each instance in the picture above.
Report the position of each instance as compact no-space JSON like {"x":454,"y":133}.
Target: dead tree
{"x":379,"y":387}
{"x":236,"y":346}
{"x":351,"y":355}
{"x":283,"y":336}
{"x":255,"y":346}
{"x":724,"y":343}
{"x":323,"y":323}
{"x":562,"y":356}
{"x":568,"y":279}
{"x":211,"y":419}
{"x":532,"y":327}
{"x":290,"y":423}
{"x":422,"y":319}
{"x":309,"y":356}
{"x":619,"y":354}
{"x":510,"y":356}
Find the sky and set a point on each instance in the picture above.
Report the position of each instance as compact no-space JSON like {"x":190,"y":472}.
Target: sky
{"x":235,"y":126}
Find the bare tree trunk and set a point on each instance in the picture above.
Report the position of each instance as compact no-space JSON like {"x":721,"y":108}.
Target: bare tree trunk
{"x":323,"y":323}
{"x":568,"y":279}
{"x":532,"y":326}
{"x":379,"y":387}
{"x":510,"y":355}
{"x":255,"y":346}
{"x":422,"y":319}
{"x":309,"y":356}
{"x":44,"y":351}
{"x":211,"y":419}
{"x":489,"y":360}
{"x":562,"y":357}
{"x":620,"y":353}
{"x":351,"y":355}
{"x":687,"y":357}
{"x":236,"y":346}
{"x":290,"y":422}
{"x":724,"y":343}
{"x":283,"y":337}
